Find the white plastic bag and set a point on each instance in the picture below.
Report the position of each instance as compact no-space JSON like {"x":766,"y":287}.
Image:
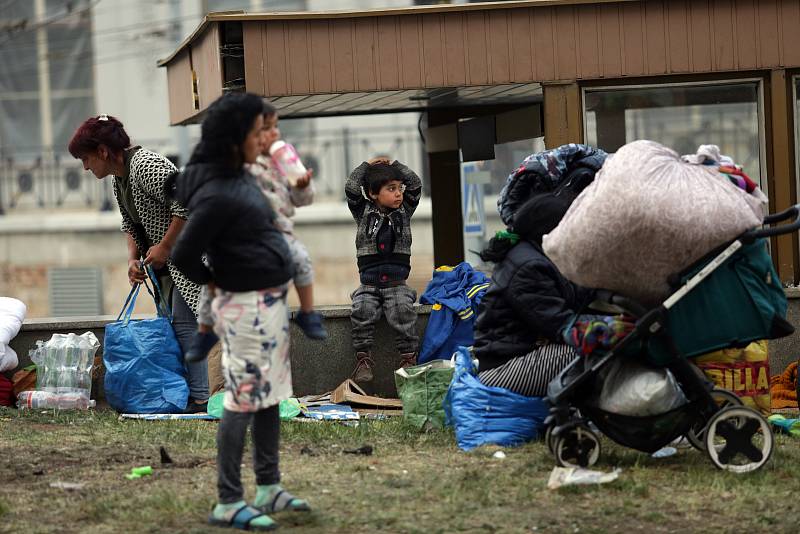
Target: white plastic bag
{"x":12,"y":313}
{"x":570,"y":476}
{"x":630,"y":388}
{"x":646,"y":216}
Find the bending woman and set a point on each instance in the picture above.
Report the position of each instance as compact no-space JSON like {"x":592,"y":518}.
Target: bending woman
{"x":518,"y":331}
{"x":152,"y":224}
{"x":233,"y":226}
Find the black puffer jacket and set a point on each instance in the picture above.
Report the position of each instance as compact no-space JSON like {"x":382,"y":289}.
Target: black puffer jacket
{"x":232,"y":222}
{"x":528,"y":301}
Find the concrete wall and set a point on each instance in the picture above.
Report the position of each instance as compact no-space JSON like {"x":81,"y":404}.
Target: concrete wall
{"x":784,"y":351}
{"x":318,"y":367}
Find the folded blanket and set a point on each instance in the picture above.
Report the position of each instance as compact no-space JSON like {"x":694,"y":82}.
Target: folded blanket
{"x":783,"y":388}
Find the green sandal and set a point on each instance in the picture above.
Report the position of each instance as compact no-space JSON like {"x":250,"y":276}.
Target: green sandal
{"x":242,"y":519}
{"x":281,"y":501}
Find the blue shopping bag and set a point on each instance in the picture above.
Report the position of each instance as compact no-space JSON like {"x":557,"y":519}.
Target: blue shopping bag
{"x":143,"y":361}
{"x":484,"y":415}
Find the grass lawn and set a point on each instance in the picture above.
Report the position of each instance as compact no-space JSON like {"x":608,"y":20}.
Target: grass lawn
{"x":414,"y":482}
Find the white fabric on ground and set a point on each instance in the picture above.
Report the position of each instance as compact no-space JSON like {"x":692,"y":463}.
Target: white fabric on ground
{"x":12,"y":313}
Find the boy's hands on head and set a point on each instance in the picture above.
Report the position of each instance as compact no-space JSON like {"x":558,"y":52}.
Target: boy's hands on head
{"x":380,"y":159}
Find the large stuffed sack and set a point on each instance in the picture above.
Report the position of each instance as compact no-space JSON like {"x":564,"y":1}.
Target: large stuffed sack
{"x":648,"y":215}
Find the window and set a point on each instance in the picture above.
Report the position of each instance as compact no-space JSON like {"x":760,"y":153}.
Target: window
{"x":682,"y":117}
{"x":481,"y":183}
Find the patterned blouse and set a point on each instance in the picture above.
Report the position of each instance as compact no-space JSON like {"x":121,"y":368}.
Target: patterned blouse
{"x":146,"y":176}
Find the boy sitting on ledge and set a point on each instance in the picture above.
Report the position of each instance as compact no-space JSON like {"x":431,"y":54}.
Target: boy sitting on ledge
{"x":382,"y":197}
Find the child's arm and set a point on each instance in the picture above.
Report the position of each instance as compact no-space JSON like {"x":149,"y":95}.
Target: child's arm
{"x":354,"y":192}
{"x":302,"y":194}
{"x":413,"y":185}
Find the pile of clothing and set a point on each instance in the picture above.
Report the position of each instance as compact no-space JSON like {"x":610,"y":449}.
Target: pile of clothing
{"x":784,"y":387}
{"x":566,"y":170}
{"x":455,"y":293}
{"x":591,"y":332}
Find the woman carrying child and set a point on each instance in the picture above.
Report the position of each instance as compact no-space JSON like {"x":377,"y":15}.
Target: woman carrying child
{"x":284,"y":196}
{"x":233,"y":225}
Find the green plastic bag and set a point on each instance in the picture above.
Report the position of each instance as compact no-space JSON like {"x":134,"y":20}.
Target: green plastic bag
{"x":214,"y":408}
{"x":422,"y":389}
{"x":288,"y":409}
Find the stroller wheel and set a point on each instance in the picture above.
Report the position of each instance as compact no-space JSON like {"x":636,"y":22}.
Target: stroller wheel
{"x":696,"y":434}
{"x":576,"y":447}
{"x":738,"y":439}
{"x":549,"y":438}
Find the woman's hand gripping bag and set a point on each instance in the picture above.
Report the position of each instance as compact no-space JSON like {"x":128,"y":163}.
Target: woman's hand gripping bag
{"x":144,"y":363}
{"x":484,"y":415}
{"x":648,"y":215}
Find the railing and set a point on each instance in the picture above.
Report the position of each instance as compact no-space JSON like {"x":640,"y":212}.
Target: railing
{"x":333,"y":153}
{"x":57,"y":181}
{"x":51,"y":182}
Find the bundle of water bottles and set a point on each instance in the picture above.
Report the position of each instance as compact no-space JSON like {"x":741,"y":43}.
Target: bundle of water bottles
{"x":63,"y":373}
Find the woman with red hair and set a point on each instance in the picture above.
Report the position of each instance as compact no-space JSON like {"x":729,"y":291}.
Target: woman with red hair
{"x":152,"y":224}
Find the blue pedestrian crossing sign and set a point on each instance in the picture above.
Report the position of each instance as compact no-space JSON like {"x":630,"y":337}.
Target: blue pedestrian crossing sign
{"x":472,"y":200}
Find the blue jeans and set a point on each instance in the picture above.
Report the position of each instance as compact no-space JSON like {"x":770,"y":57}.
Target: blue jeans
{"x":185,"y":325}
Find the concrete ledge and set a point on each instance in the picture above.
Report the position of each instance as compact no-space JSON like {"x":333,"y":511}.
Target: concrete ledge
{"x":317,"y":366}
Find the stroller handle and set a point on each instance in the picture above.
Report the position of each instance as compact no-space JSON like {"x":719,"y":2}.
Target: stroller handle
{"x":794,"y":211}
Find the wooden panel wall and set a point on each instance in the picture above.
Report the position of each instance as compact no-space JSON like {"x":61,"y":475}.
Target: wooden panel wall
{"x":781,"y":167}
{"x":533,"y":44}
{"x":208,"y":66}
{"x":563,"y":114}
{"x":179,"y":86}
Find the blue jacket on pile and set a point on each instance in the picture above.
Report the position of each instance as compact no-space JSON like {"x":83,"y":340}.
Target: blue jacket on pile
{"x":455,"y":293}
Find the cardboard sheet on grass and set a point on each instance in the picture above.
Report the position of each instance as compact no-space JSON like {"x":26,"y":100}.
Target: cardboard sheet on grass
{"x":349,"y":395}
{"x":169,"y":416}
{"x":347,"y":402}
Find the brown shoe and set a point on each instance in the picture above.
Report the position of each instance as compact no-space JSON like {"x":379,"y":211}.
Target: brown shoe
{"x":408,"y":359}
{"x":363,"y":370}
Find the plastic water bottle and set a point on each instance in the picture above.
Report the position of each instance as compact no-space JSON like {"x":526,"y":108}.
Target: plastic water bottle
{"x":50,"y":375}
{"x":72,"y":401}
{"x":35,"y":399}
{"x":67,"y":373}
{"x":47,"y":399}
{"x":287,"y":160}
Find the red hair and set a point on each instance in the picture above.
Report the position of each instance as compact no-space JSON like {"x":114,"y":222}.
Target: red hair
{"x":95,"y":131}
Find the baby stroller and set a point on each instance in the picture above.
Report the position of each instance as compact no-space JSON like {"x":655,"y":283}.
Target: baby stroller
{"x":729,"y":298}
